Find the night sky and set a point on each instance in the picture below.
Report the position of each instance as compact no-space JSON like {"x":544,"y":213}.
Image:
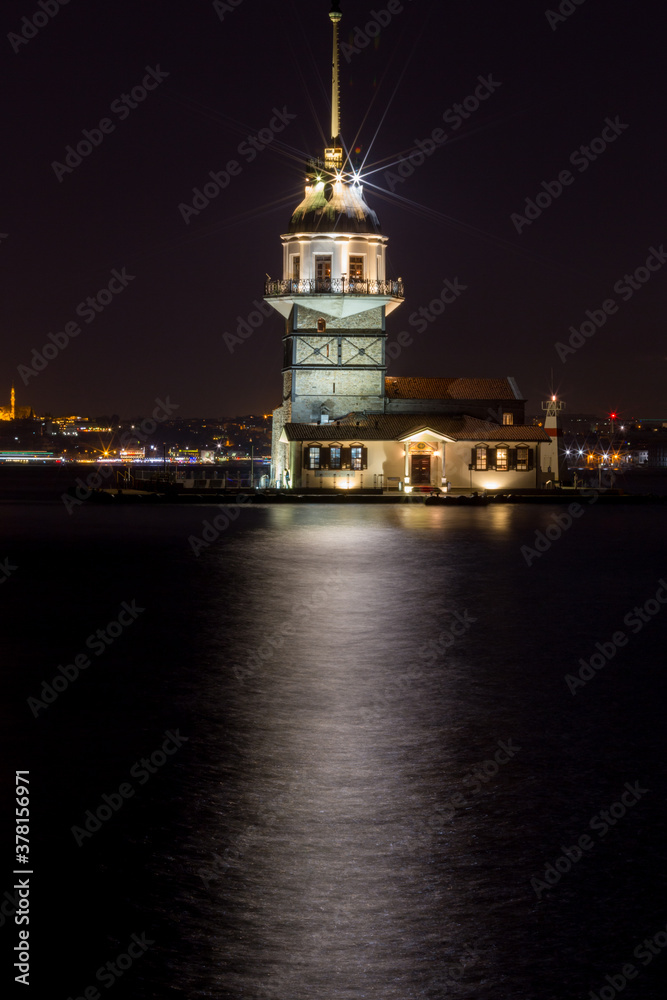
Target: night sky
{"x":217,"y":76}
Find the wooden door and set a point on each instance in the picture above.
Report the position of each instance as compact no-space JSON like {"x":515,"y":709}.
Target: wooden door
{"x":421,"y":470}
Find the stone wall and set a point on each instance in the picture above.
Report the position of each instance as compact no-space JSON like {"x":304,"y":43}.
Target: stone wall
{"x":326,"y":349}
{"x":279,"y":452}
{"x":371,"y":320}
{"x":305,"y":347}
{"x":348,"y":382}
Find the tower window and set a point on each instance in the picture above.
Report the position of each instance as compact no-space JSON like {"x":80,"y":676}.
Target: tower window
{"x":508,"y":418}
{"x":321,"y":325}
{"x":356,"y":268}
{"x":322,"y":268}
{"x":296,"y":267}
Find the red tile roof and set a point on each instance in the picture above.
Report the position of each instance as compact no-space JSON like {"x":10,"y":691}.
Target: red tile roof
{"x":394,"y":427}
{"x":451,"y":388}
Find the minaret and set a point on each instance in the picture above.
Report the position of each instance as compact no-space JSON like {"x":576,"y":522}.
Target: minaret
{"x":334,"y":294}
{"x":552,"y":456}
{"x":12,"y":403}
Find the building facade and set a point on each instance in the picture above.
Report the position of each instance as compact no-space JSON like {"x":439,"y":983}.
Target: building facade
{"x":342,"y":422}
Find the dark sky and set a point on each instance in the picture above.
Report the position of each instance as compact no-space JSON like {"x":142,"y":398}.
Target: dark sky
{"x":162,"y":335}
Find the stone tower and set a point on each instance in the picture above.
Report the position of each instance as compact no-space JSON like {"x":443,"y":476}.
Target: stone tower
{"x":334,"y":294}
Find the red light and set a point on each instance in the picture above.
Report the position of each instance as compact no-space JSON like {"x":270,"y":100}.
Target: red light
{"x":613,"y":416}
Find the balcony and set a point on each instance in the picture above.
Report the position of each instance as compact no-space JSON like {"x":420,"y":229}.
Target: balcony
{"x":334,"y":286}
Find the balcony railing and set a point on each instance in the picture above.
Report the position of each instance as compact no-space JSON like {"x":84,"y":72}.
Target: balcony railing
{"x":333,"y":286}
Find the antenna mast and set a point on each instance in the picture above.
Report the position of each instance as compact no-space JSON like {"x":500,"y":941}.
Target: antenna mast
{"x":333,"y":157}
{"x":335,"y":16}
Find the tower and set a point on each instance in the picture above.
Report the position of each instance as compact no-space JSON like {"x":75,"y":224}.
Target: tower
{"x":12,"y":403}
{"x":552,"y":457}
{"x":334,"y":294}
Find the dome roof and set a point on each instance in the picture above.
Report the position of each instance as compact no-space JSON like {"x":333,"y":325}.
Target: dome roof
{"x":334,"y":207}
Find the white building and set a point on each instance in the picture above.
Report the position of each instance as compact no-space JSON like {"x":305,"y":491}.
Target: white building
{"x":342,"y":422}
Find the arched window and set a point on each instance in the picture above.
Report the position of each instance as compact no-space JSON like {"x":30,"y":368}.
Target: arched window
{"x":321,"y":325}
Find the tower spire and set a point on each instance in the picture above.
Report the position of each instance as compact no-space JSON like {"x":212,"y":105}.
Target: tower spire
{"x":333,"y":156}
{"x":335,"y":16}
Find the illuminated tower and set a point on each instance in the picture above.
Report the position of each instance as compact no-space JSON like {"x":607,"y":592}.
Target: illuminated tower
{"x":334,"y":293}
{"x":12,"y":403}
{"x":552,"y":456}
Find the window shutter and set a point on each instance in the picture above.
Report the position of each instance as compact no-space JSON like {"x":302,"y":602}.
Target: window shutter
{"x":364,"y":458}
{"x":324,"y":458}
{"x":306,"y":457}
{"x":345,"y":458}
{"x":490,"y":458}
{"x":511,"y":458}
{"x":531,"y":454}
{"x":473,"y":457}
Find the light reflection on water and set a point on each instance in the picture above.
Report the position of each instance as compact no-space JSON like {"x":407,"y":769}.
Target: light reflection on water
{"x":343,"y":675}
{"x":358,"y":876}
